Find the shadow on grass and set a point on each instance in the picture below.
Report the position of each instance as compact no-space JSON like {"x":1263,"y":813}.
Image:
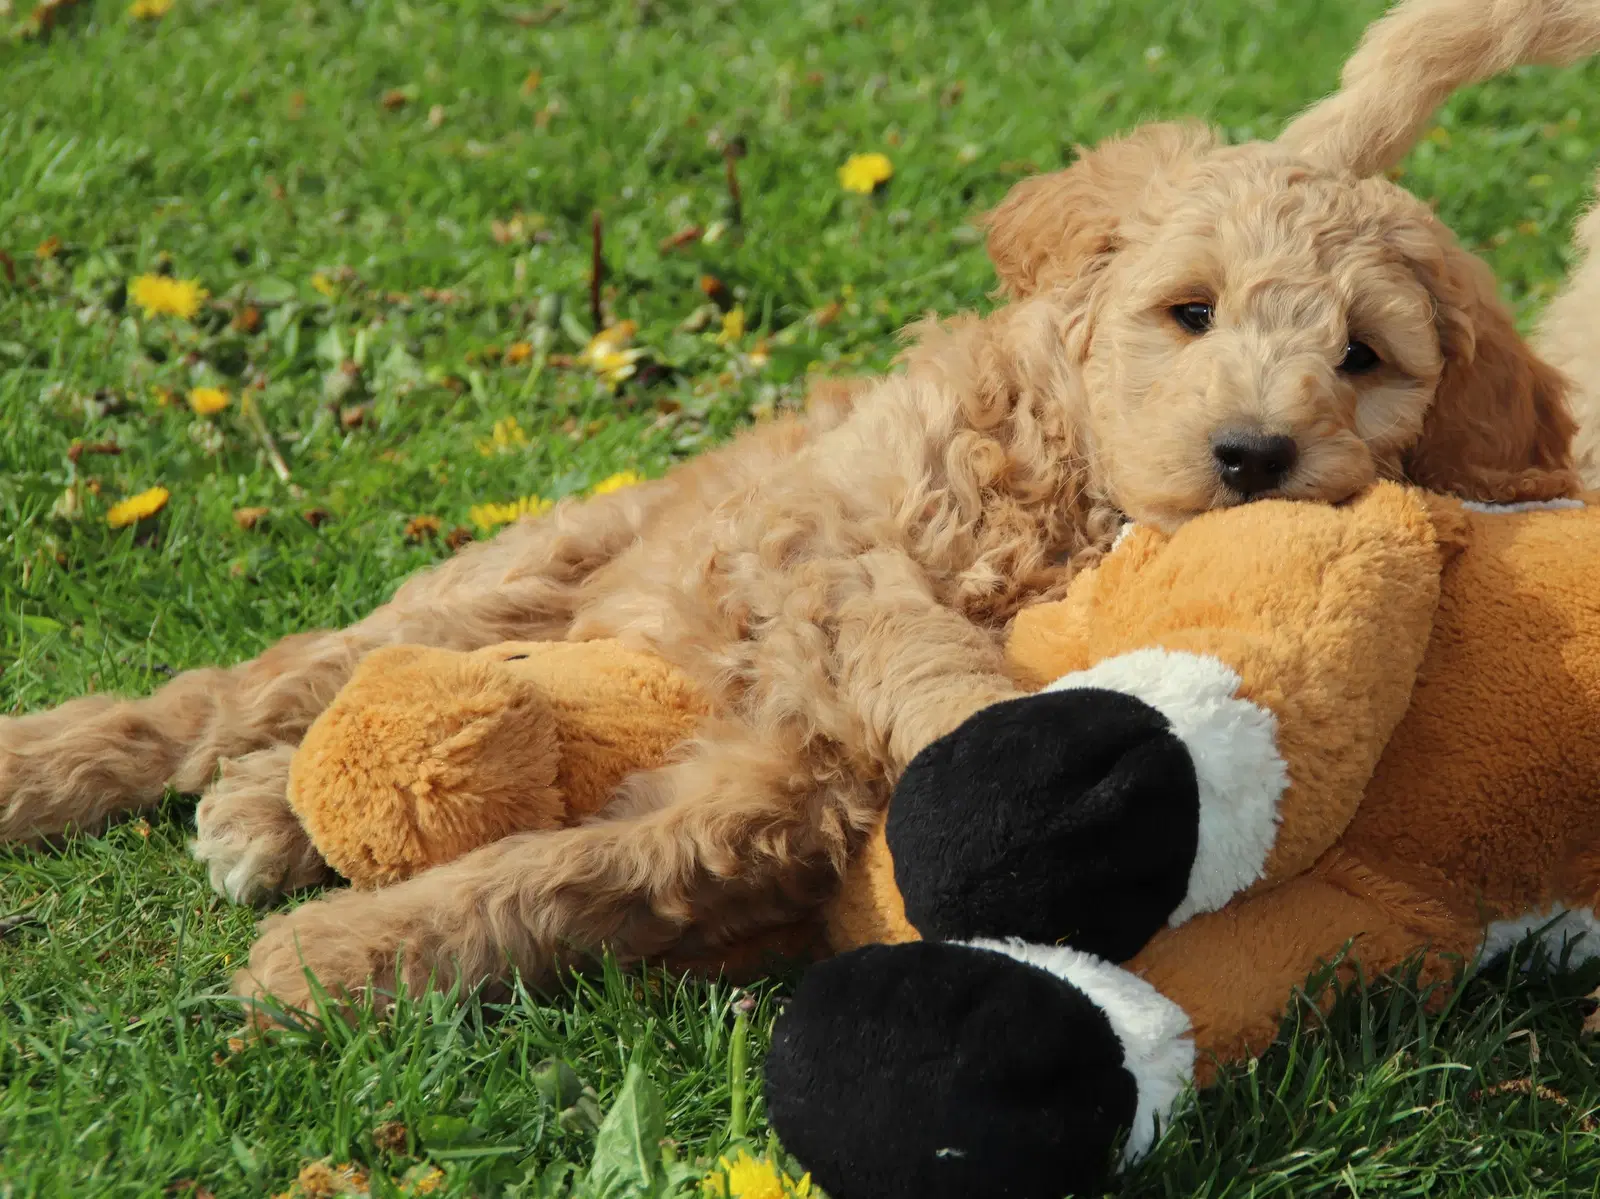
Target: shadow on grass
{"x":1399,"y":1088}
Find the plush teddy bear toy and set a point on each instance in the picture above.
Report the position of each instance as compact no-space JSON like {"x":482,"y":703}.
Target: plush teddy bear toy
{"x":427,"y":753}
{"x":1285,"y":735}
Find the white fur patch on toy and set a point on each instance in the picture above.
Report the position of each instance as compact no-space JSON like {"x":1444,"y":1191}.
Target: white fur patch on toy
{"x":1524,"y":506}
{"x":1233,"y":744}
{"x":1574,"y":932}
{"x":1157,"y":1038}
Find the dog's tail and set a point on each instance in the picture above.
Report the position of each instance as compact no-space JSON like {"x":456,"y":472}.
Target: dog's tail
{"x":1412,"y":59}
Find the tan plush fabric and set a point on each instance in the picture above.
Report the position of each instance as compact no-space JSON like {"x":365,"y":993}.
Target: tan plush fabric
{"x":1490,"y":788}
{"x":426,"y":754}
{"x":1234,"y":972}
{"x":868,"y":909}
{"x":1325,"y":620}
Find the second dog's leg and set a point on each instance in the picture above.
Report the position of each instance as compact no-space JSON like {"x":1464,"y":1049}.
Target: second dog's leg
{"x":1569,"y":338}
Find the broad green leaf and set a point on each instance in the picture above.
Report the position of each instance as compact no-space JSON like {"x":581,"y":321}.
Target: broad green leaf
{"x":447,"y":1132}
{"x":627,"y":1150}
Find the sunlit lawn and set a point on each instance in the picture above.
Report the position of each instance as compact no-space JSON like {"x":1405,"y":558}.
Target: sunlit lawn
{"x":391,"y":207}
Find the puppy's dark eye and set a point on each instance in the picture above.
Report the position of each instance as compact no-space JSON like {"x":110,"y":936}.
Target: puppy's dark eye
{"x":1359,"y":358}
{"x":1195,"y":316}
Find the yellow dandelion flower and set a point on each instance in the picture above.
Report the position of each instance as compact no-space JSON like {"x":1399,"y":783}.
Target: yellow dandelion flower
{"x":160,"y":296}
{"x":865,"y":173}
{"x":615,"y":369}
{"x":492,"y":516}
{"x":747,"y":1177}
{"x":616,"y":482}
{"x":422,"y":1180}
{"x":208,"y":401}
{"x":149,"y":10}
{"x":137,"y":507}
{"x":517,"y":353}
{"x":324,"y":1180}
{"x":732,"y":326}
{"x":508,"y":435}
{"x":324,"y":285}
{"x":609,"y":355}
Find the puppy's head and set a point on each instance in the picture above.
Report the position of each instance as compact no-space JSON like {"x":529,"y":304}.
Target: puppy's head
{"x":1248,"y":325}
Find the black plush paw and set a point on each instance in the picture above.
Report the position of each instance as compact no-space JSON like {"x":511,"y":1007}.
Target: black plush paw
{"x":931,"y":1071}
{"x":1068,"y":817}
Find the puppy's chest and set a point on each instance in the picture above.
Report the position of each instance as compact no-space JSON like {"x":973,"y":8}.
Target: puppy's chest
{"x":992,"y":589}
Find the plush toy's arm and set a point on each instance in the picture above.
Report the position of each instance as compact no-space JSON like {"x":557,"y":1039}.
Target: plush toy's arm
{"x":975,"y":1062}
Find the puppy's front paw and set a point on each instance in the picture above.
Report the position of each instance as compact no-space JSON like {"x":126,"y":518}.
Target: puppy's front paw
{"x":944,"y":1071}
{"x":254,"y":847}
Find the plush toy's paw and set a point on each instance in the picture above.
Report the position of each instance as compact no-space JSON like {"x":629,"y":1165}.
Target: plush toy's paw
{"x":1134,"y":794}
{"x":930,"y":1070}
{"x":1060,"y":818}
{"x":254,"y":847}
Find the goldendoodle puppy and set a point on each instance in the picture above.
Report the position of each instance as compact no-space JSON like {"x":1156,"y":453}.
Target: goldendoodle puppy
{"x":1188,"y":325}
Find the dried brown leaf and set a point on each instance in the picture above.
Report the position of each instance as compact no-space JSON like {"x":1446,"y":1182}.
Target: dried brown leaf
{"x":79,"y":448}
{"x":689,"y":233}
{"x":420,"y":527}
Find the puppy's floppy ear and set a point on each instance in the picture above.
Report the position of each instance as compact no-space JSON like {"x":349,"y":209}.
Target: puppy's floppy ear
{"x":1499,"y":429}
{"x":1050,"y":228}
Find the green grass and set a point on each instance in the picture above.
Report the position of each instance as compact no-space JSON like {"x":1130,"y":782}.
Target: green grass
{"x":249,"y":146}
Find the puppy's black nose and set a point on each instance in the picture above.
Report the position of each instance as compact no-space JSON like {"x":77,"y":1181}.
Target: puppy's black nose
{"x":1250,"y":463}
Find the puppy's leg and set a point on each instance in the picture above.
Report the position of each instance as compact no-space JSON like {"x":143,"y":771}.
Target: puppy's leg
{"x":749,"y":832}
{"x":94,"y":757}
{"x":906,"y":669}
{"x":740,"y":837}
{"x":91,"y":758}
